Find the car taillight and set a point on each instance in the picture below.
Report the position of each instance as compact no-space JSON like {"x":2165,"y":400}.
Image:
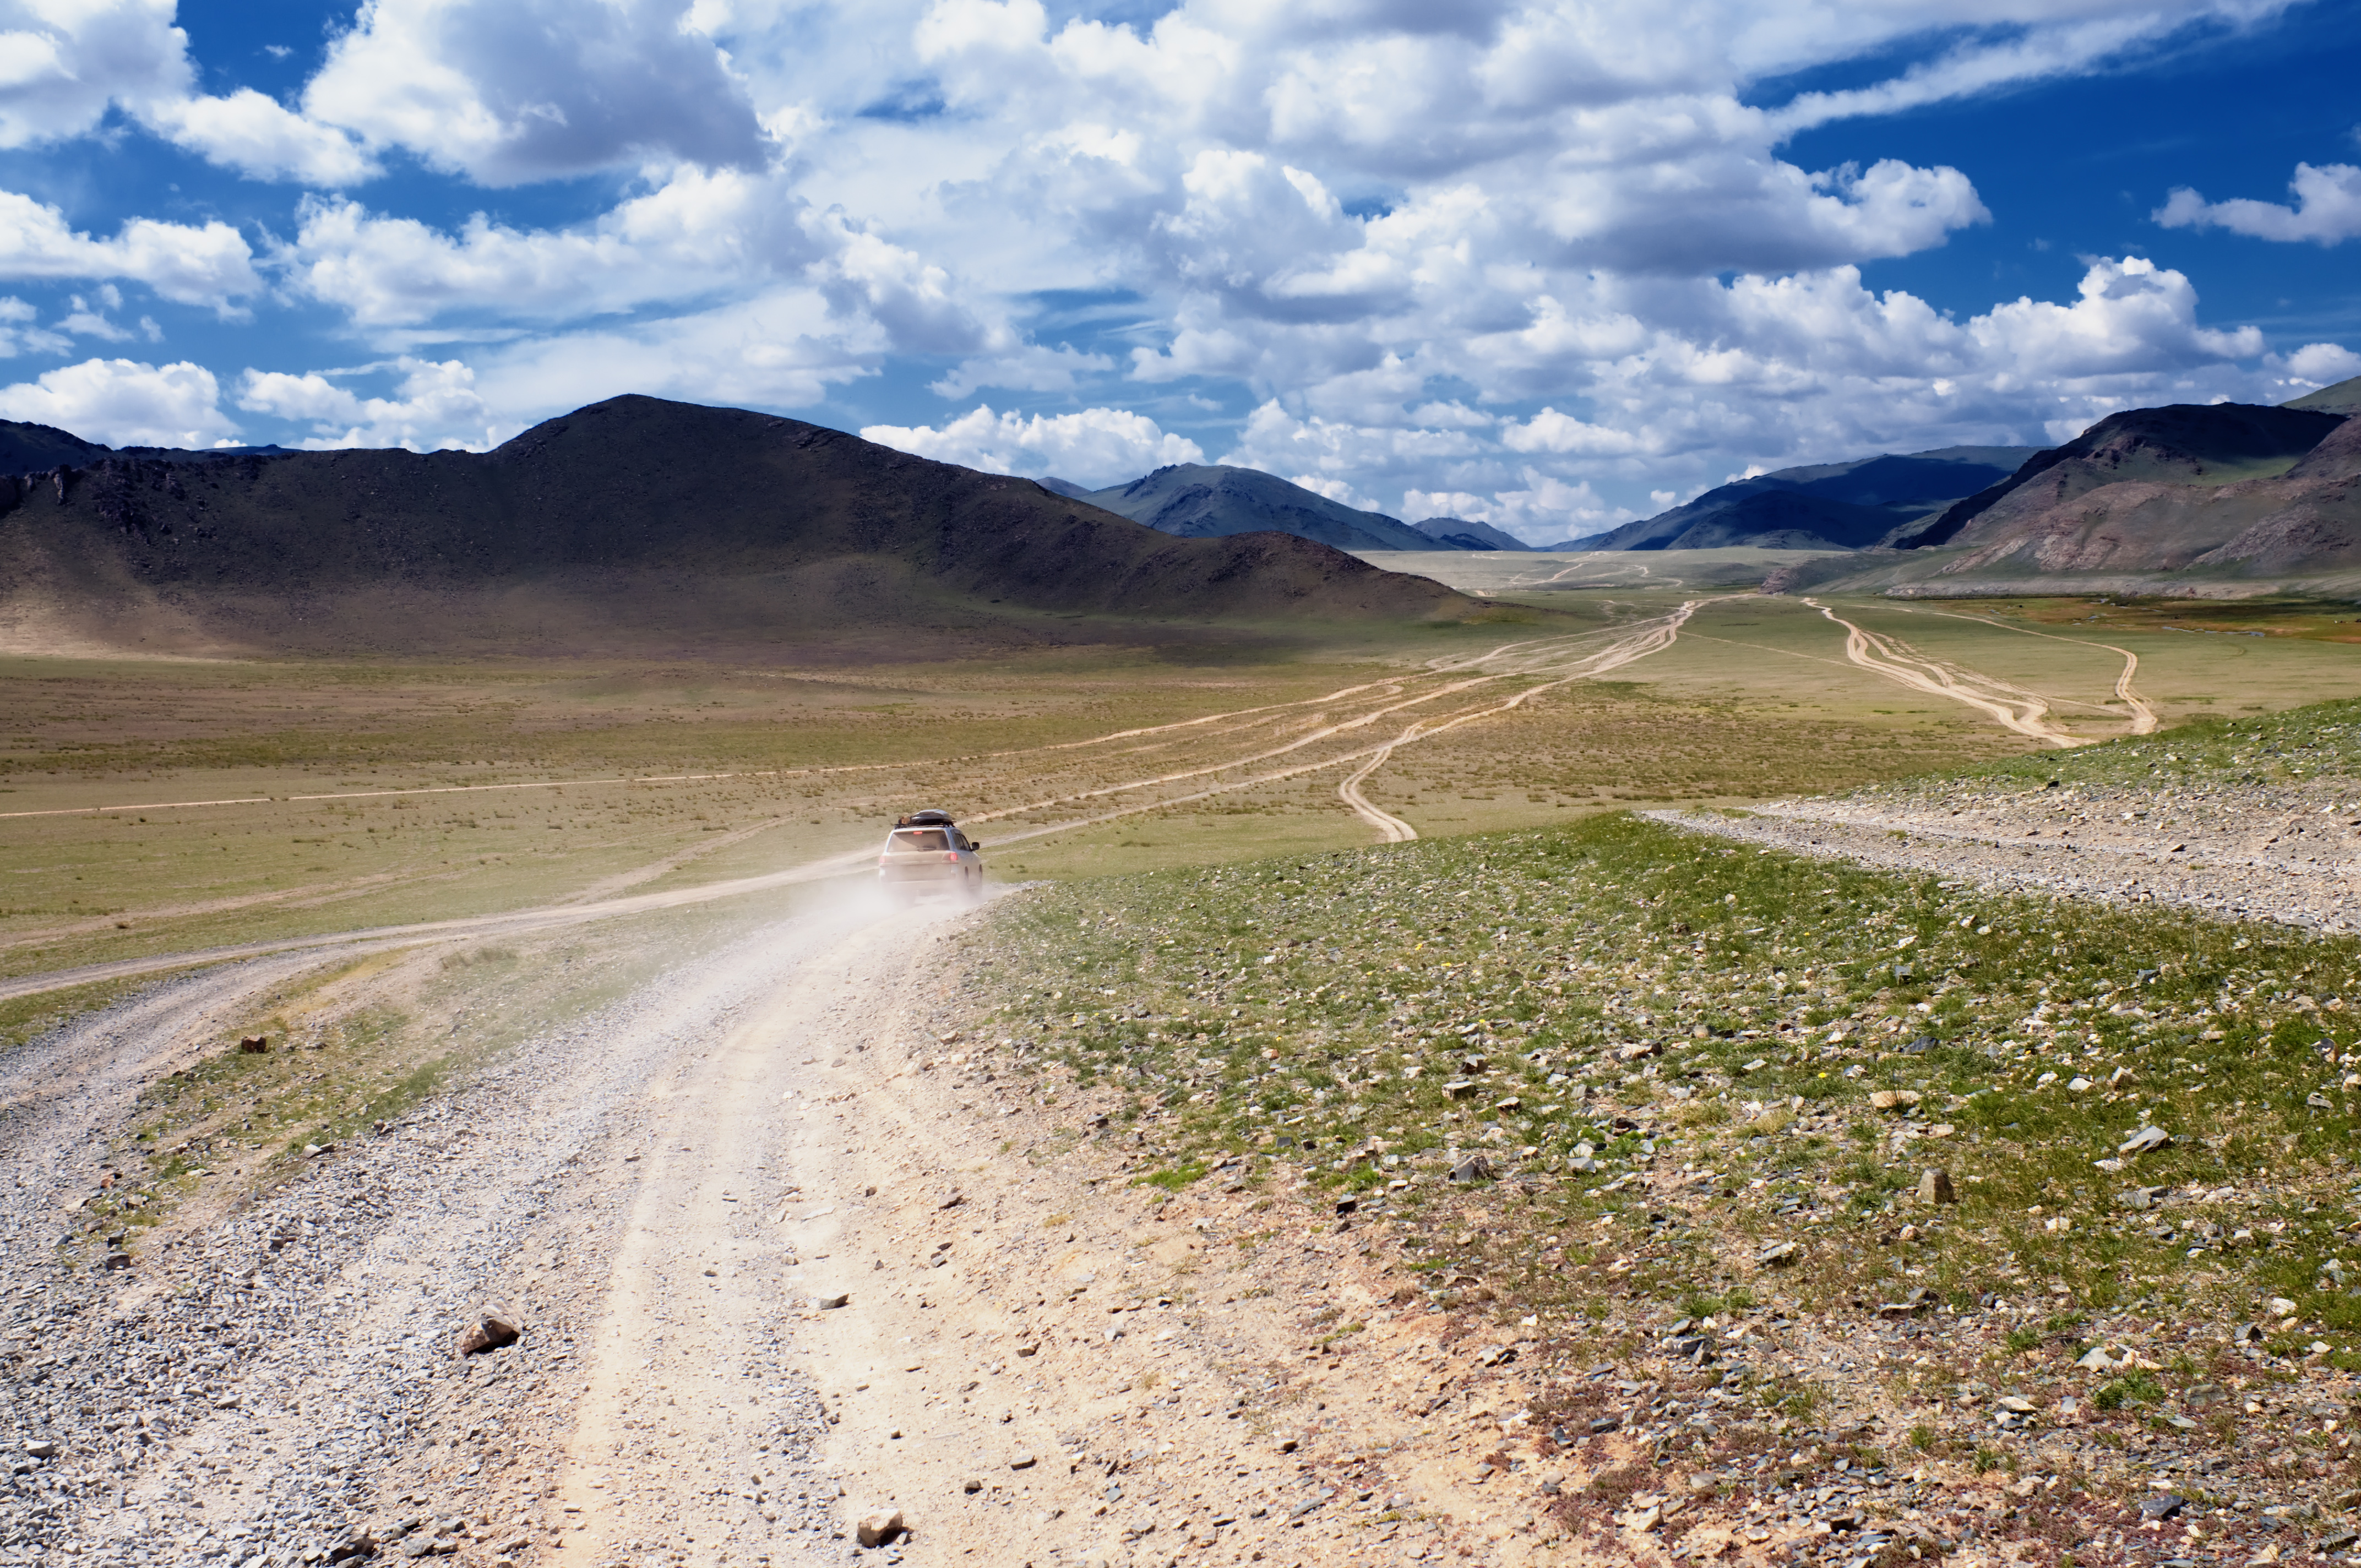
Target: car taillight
{"x":952,"y":856}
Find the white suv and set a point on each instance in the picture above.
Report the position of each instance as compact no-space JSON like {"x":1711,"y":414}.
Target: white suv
{"x":925,"y":852}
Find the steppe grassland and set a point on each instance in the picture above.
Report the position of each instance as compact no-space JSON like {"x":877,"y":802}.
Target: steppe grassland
{"x":1582,"y":1002}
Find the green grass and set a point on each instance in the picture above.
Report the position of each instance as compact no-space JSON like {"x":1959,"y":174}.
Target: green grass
{"x":1349,"y":1021}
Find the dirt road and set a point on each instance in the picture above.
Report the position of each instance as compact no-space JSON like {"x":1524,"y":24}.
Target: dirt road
{"x":1032,"y":1361}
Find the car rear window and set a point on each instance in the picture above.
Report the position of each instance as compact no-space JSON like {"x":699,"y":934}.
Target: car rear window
{"x":911,"y":840}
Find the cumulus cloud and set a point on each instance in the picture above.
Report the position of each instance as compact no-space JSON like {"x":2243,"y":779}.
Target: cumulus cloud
{"x":63,"y":63}
{"x":1095,"y":447}
{"x":2327,"y":209}
{"x":507,"y":91}
{"x":124,"y":404}
{"x":435,"y":407}
{"x":207,"y":264}
{"x":696,"y":234}
{"x":256,"y":135}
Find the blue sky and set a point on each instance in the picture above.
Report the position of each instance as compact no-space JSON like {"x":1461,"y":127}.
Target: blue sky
{"x":1548,"y":266}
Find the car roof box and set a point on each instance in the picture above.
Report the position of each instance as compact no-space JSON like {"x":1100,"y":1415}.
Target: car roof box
{"x":925,"y":819}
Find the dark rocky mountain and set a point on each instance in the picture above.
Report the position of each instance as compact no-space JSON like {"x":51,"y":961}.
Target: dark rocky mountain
{"x":1830,"y":505}
{"x":632,"y":524}
{"x":1202,"y":500}
{"x":37,"y":448}
{"x":1463,"y":533}
{"x":2182,"y":444}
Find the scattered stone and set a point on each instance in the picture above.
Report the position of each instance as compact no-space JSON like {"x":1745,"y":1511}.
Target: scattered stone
{"x":1935,"y":1187}
{"x":1023,"y":1462}
{"x":2337,"y":1540}
{"x":2162,"y":1506}
{"x":493,"y":1331}
{"x":972,"y":1484}
{"x":829,"y":1303}
{"x":254,"y":1045}
{"x":41,"y":1448}
{"x":1778,"y":1254}
{"x":2146,"y":1139}
{"x":953,"y":1202}
{"x":1347,"y":1205}
{"x":2014,"y":1406}
{"x":2203,"y":1396}
{"x":1894,"y":1099}
{"x":2139,"y":1198}
{"x":117,"y":1261}
{"x":877,"y":1530}
{"x":2096,"y":1359}
{"x":1475,"y":1168}
{"x":1459,"y":1088}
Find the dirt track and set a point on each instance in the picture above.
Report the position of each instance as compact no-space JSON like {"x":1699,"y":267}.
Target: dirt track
{"x":1034,"y":1363}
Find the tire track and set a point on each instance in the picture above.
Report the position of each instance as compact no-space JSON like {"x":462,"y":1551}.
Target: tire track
{"x":2012,"y":707}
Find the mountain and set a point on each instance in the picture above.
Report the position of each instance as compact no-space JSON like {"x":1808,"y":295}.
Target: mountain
{"x":37,"y":448}
{"x":2182,"y":444}
{"x":1203,"y":500}
{"x":1830,"y":505}
{"x":2345,"y":398}
{"x":1460,"y":533}
{"x":630,"y":524}
{"x":2224,"y":499}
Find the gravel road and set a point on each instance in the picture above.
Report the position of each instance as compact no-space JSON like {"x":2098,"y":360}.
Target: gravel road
{"x":2256,"y":853}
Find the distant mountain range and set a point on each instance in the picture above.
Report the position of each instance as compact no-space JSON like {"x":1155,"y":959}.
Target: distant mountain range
{"x":2221,"y":497}
{"x":1460,"y":533}
{"x":1829,"y":506}
{"x":632,"y":526}
{"x":1207,"y":500}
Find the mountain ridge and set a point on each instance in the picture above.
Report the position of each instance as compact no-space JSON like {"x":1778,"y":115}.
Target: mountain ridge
{"x":779,"y":533}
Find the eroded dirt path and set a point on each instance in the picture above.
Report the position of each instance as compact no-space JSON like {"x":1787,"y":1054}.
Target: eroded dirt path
{"x":2011,"y":707}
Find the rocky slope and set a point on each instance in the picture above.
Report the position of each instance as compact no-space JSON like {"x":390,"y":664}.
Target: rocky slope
{"x":633,"y":523}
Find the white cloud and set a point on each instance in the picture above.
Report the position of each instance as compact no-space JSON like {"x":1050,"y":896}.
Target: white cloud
{"x":508,"y":91}
{"x":437,"y":407}
{"x":256,"y":135}
{"x":694,"y":234}
{"x":2317,"y":365}
{"x":2327,"y":209}
{"x":65,"y":62}
{"x":124,"y":404}
{"x":1095,"y":447}
{"x":19,"y":334}
{"x":201,"y":265}
{"x":1028,"y":369}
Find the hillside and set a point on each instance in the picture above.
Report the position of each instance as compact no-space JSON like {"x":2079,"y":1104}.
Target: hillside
{"x":2183,"y":444}
{"x":27,"y":448}
{"x":1843,"y":506}
{"x":1200,"y":500}
{"x":633,"y":523}
{"x":2230,"y":499}
{"x":2345,"y":398}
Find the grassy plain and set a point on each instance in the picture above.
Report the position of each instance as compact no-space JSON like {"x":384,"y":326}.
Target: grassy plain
{"x":362,"y":794}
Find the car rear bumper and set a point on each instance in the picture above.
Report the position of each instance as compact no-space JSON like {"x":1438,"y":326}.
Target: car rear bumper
{"x":923,"y":871}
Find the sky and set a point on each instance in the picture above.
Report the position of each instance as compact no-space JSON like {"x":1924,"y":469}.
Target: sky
{"x":1547,"y":266}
